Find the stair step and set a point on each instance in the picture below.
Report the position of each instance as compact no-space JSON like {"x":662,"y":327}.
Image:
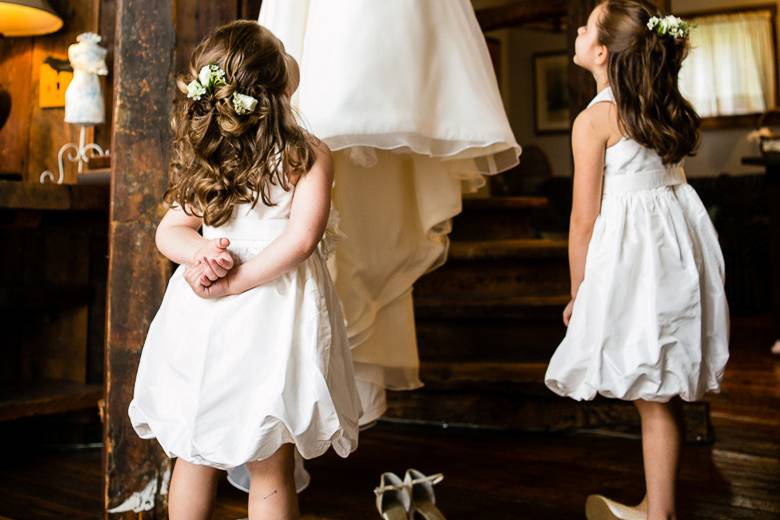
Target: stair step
{"x":532,"y":340}
{"x":473,"y":205}
{"x":500,"y":269}
{"x":508,"y":307}
{"x":515,"y":328}
{"x":513,"y":396}
{"x":509,"y":249}
{"x":497,"y":218}
{"x":452,"y":376}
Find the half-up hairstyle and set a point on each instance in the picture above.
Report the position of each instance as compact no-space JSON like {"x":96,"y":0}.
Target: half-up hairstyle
{"x":221,"y":158}
{"x":643,"y":68}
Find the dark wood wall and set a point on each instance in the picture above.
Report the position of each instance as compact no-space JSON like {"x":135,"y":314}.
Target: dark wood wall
{"x":31,"y":137}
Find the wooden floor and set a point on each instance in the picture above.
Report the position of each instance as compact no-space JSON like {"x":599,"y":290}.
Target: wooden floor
{"x":488,"y":474}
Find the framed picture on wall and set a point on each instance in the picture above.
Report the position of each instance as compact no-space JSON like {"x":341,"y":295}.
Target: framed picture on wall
{"x":552,"y":106}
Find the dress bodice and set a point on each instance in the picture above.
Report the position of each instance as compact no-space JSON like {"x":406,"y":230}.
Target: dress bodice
{"x":631,"y":166}
{"x":256,"y":223}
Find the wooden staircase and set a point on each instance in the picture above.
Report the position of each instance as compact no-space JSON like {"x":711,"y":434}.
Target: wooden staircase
{"x":488,"y":322}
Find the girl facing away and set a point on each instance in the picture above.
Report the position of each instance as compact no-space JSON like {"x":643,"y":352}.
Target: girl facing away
{"x":648,"y":321}
{"x":246,"y":361}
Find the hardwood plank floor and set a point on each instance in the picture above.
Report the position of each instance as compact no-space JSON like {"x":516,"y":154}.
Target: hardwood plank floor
{"x":488,"y":474}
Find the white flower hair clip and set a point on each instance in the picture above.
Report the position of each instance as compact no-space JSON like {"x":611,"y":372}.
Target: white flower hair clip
{"x":243,"y":104}
{"x":211,"y":76}
{"x":670,"y":25}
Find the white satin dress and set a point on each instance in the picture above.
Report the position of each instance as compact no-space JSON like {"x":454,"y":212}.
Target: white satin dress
{"x":650,"y":320}
{"x":225,"y":381}
{"x":405,"y":94}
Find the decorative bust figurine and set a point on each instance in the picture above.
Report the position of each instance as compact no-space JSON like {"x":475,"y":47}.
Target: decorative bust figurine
{"x":83,"y":98}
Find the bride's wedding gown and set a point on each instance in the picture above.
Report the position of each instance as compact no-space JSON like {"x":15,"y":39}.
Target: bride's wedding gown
{"x":405,"y":95}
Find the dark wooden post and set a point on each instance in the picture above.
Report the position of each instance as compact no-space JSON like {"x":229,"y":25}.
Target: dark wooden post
{"x":249,"y":9}
{"x":136,"y":472}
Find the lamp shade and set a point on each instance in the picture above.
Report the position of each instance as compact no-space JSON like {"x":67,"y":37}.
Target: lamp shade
{"x":27,"y":18}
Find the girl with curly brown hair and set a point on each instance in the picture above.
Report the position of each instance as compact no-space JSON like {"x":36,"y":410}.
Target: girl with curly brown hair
{"x":648,"y":321}
{"x":246,"y":363}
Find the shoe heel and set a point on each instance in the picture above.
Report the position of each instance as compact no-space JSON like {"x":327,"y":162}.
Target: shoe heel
{"x":428,"y":511}
{"x":423,"y":498}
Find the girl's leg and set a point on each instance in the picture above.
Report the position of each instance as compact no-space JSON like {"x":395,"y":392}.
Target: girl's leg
{"x":192,"y":492}
{"x":661,"y":443}
{"x":272,"y":493}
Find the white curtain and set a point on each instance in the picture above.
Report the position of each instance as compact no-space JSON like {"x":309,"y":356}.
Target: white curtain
{"x":731,"y":67}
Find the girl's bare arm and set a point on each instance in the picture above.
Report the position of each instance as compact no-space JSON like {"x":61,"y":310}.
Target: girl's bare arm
{"x":590,"y":134}
{"x":308,"y":218}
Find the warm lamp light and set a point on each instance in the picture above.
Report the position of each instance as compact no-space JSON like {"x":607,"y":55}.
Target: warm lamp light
{"x":27,"y":18}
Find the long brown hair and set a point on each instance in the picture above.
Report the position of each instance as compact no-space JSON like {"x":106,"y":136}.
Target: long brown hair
{"x":643,"y":69}
{"x":220,"y":158}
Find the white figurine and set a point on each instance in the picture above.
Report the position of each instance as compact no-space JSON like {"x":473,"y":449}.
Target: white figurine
{"x":83,"y":98}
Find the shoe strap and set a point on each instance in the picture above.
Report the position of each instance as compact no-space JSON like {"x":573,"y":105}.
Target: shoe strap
{"x":388,"y":487}
{"x":433,"y":479}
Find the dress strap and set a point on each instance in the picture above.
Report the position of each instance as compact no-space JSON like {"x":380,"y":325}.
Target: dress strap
{"x":604,"y":95}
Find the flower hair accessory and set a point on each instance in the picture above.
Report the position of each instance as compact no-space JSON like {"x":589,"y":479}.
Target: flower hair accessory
{"x":243,"y":104}
{"x":670,"y":25}
{"x":211,"y":76}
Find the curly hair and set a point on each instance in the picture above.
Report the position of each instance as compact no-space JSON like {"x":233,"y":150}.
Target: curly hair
{"x":220,"y":158}
{"x":643,"y":69}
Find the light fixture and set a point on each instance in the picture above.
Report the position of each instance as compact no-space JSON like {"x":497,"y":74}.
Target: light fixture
{"x":27,"y":18}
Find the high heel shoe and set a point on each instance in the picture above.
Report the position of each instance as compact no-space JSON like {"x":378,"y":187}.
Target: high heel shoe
{"x":423,"y":499}
{"x":392,"y":497}
{"x":598,"y":507}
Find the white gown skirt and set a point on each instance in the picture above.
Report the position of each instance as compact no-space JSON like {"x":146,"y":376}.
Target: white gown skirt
{"x":404,"y":75}
{"x":650,"y":320}
{"x":222,"y":382}
{"x":405,"y":95}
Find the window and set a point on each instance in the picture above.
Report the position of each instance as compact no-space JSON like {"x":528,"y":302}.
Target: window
{"x":730,"y":69}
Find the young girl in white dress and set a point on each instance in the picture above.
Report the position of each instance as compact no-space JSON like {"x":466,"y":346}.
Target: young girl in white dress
{"x":648,"y":320}
{"x":247,"y":359}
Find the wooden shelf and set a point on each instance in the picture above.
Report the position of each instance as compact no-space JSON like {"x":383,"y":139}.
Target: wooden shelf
{"x":62,"y":197}
{"x":48,"y":397}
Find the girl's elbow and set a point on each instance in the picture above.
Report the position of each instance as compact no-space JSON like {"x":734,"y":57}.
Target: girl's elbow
{"x":581,"y":224}
{"x":159,"y":239}
{"x":307,"y":246}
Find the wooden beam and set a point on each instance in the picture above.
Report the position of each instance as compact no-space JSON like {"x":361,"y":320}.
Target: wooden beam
{"x":519,"y":13}
{"x":249,"y":9}
{"x":136,"y":472}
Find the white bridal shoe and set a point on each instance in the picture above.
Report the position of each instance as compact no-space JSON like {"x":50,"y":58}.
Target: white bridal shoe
{"x":423,"y":500}
{"x":401,"y":500}
{"x":598,"y":507}
{"x":392,"y":497}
